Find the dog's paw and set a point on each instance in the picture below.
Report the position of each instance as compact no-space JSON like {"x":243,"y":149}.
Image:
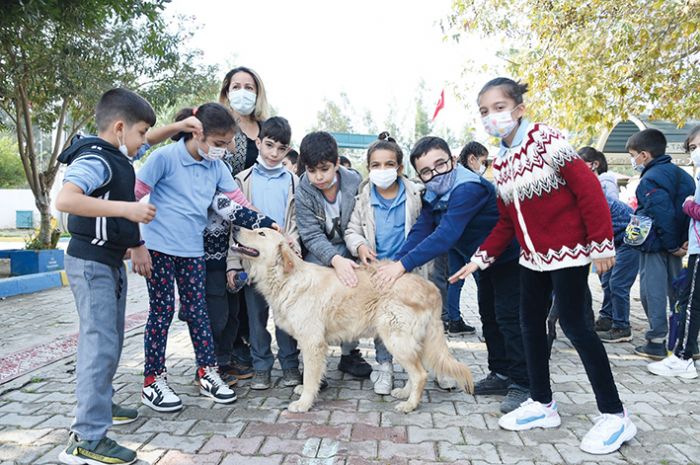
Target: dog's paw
{"x":299,"y":406}
{"x":399,"y":393}
{"x":298,"y":389}
{"x":404,"y":407}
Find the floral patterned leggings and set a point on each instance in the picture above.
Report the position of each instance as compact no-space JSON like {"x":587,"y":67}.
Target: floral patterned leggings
{"x":190,"y":274}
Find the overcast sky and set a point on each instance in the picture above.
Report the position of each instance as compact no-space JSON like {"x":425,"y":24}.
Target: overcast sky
{"x":375,"y":51}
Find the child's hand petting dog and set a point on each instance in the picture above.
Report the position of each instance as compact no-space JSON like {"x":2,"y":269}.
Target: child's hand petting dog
{"x":366,"y":254}
{"x":387,"y":274}
{"x":345,"y":270}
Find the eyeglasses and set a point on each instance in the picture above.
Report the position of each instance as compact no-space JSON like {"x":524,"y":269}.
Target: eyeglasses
{"x":441,"y":167}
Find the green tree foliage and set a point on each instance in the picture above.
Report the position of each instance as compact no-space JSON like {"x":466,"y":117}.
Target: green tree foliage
{"x":335,"y":116}
{"x":592,"y":63}
{"x":59,"y":56}
{"x":11,"y":171}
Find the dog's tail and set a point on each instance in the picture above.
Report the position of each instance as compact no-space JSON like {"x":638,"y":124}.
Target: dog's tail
{"x":437,"y":357}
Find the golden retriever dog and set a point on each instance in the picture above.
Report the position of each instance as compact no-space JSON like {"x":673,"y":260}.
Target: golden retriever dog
{"x":313,"y":306}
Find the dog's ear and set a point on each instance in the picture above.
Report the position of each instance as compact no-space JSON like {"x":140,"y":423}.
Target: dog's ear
{"x":286,"y":256}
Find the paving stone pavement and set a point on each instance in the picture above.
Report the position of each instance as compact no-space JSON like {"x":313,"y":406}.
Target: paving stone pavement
{"x":349,"y":425}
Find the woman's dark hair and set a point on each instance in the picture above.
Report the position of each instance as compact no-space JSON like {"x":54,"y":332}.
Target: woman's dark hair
{"x":472,"y":148}
{"x":385,"y":142}
{"x":214,"y":117}
{"x":512,"y":89}
{"x":589,"y":155}
{"x":691,"y":135}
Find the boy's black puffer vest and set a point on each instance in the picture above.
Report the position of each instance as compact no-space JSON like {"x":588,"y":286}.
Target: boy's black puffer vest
{"x":103,"y":240}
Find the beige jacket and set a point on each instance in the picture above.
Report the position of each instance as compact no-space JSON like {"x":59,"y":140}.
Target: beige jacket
{"x":244,"y":180}
{"x":362,"y":230}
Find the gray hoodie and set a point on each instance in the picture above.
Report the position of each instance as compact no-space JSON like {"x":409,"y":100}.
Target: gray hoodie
{"x":311,"y":217}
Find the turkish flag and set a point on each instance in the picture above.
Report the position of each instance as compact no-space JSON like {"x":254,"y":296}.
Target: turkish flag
{"x":440,"y":105}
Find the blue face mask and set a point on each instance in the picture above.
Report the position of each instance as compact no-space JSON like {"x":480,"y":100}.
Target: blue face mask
{"x":636,"y":167}
{"x":442,"y":183}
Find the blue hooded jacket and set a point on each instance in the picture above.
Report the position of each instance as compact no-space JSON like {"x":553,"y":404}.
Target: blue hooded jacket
{"x":662,"y":189}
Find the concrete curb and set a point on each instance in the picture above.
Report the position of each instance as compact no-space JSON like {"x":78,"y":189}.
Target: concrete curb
{"x":31,"y":283}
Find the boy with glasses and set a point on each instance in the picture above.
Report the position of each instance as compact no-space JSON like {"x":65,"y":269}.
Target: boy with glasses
{"x":459,"y":211}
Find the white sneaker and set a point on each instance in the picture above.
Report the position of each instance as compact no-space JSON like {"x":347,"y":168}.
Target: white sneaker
{"x":383,"y":378}
{"x":530,"y":415}
{"x":211,"y":385}
{"x":608,"y":434}
{"x":160,"y":396}
{"x":674,"y":366}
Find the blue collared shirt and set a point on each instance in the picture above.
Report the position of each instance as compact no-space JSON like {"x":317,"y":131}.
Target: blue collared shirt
{"x":518,"y":139}
{"x":182,"y":189}
{"x":270,"y":190}
{"x":390,"y":222}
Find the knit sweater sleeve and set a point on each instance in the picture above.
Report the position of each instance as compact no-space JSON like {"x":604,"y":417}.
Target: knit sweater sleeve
{"x":586,"y":188}
{"x":495,"y":243}
{"x":238,"y":214}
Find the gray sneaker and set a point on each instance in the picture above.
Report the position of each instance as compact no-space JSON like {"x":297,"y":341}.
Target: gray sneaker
{"x":516,"y":395}
{"x":104,"y":450}
{"x":291,"y":377}
{"x":261,"y":381}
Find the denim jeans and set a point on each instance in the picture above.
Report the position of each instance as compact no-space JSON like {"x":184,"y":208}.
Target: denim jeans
{"x":499,"y":308}
{"x":100,"y":297}
{"x":617,"y":283}
{"x":260,"y":338}
{"x":656,"y":274}
{"x":569,"y":286}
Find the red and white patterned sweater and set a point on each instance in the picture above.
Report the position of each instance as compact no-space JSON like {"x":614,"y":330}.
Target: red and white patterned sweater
{"x":551,"y":201}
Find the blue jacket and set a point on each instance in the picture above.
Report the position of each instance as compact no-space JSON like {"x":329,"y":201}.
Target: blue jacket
{"x":620,"y":213}
{"x":460,"y":219}
{"x":662,"y":189}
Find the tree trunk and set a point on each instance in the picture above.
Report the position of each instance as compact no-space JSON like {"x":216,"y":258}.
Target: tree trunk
{"x":43,"y":204}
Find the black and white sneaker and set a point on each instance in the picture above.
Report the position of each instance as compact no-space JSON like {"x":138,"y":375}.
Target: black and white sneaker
{"x":159,"y":395}
{"x":211,"y":385}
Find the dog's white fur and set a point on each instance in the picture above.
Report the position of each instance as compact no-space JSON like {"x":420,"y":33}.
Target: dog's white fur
{"x":313,"y":306}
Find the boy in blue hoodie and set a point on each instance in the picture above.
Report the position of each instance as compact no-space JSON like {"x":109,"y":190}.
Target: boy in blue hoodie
{"x":459,"y":211}
{"x":662,"y":189}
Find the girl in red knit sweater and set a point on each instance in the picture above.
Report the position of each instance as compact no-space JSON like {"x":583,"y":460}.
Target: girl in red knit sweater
{"x":553,"y":204}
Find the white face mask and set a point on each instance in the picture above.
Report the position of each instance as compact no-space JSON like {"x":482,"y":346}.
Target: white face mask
{"x":122,"y":148}
{"x":499,"y":124}
{"x":695,"y":156}
{"x":262,"y":163}
{"x":242,"y":101}
{"x":482,"y":169}
{"x":214,"y":153}
{"x":383,"y":178}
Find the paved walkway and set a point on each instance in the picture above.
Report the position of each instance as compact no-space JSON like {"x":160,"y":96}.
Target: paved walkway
{"x":349,"y":425}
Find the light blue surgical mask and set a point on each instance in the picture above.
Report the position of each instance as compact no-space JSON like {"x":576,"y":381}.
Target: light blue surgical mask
{"x":441,"y":183}
{"x":637,"y":167}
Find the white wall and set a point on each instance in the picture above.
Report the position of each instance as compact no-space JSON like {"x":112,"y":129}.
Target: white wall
{"x":12,"y":200}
